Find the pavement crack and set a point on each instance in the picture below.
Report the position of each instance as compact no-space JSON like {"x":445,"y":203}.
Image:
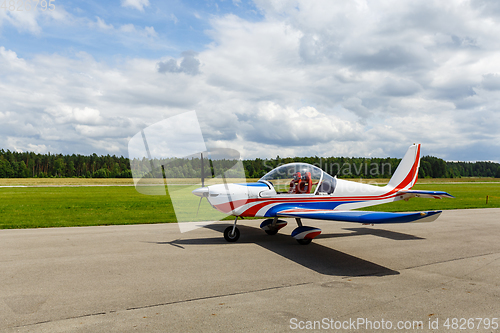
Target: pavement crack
{"x":217,"y":296}
{"x":165,"y":303}
{"x":451,"y":260}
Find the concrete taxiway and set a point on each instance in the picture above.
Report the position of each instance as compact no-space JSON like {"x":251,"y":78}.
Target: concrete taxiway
{"x":150,"y":278}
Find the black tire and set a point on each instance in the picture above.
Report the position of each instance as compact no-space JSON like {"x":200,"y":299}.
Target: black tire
{"x":229,"y":237}
{"x":304,"y":241}
{"x":271,"y":232}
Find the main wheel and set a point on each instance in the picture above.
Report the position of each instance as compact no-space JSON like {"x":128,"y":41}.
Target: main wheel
{"x":304,"y":241}
{"x":271,"y":232}
{"x":229,"y":237}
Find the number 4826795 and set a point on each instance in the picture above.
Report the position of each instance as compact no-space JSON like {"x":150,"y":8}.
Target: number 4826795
{"x":27,"y":5}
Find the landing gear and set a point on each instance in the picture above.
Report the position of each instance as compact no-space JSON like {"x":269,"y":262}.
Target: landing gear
{"x":271,"y":232}
{"x":232,"y":234}
{"x":272,"y":226}
{"x":304,"y":235}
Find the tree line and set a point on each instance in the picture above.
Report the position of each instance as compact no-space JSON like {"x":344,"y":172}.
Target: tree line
{"x":30,"y":164}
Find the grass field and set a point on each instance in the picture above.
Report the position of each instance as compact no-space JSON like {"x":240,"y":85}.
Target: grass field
{"x":34,"y":207}
{"x":80,"y":206}
{"x":64,"y":181}
{"x":467,"y":195}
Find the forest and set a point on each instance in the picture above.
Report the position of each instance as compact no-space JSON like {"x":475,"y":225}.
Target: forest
{"x":30,"y":164}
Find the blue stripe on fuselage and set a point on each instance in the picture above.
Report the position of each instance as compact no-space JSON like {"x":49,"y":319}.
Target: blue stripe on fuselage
{"x":253,"y":184}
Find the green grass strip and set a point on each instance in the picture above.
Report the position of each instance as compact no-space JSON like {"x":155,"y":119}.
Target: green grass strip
{"x":42,"y":207}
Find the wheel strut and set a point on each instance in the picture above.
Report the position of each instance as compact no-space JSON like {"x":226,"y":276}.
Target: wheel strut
{"x":232,"y":234}
{"x":234,"y":226}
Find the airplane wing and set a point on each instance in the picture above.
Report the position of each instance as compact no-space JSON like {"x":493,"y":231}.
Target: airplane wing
{"x":407,"y":194}
{"x":360,"y":216}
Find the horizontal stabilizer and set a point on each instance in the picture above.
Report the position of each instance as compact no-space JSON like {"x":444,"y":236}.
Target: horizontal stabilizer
{"x":361,"y":216}
{"x":424,"y":194}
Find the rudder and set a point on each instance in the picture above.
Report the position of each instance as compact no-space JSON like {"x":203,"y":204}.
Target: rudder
{"x":406,"y":174}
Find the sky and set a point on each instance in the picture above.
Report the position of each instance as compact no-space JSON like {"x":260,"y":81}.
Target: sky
{"x":265,"y":77}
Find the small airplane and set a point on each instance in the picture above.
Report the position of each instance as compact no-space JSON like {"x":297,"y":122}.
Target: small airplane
{"x":301,"y":190}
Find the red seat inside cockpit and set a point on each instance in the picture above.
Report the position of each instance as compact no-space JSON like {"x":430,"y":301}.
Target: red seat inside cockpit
{"x":305,"y":184}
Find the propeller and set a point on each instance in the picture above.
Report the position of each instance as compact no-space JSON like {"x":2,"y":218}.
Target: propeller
{"x":202,"y":172}
{"x":199,"y":204}
{"x":221,"y":156}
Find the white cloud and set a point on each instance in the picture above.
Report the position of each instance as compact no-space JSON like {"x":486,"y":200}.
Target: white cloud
{"x":150,"y":31}
{"x":31,"y":21}
{"x":87,"y":115}
{"x":491,"y":81}
{"x":39,"y":149}
{"x":399,"y":87}
{"x":189,"y":64}
{"x":10,"y":62}
{"x":285,"y":126}
{"x":101,"y":24}
{"x":127,"y":34}
{"x":137,"y":4}
{"x":23,"y":21}
{"x":128,"y":28}
{"x":327,"y":78}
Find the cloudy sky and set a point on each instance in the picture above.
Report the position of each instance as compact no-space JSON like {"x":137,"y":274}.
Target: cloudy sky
{"x":294,"y":78}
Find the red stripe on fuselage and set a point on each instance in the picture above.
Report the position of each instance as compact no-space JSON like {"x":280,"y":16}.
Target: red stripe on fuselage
{"x":226,"y":207}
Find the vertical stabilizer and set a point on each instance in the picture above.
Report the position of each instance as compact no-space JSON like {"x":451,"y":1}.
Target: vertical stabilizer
{"x":406,"y":174}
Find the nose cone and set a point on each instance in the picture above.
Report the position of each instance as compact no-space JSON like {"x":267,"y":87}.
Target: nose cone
{"x":201,"y":192}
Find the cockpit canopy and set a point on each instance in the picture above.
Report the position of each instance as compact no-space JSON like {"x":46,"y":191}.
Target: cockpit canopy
{"x":300,"y":178}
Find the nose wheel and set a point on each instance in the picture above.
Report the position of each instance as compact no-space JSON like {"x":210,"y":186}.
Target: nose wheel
{"x":231,"y":236}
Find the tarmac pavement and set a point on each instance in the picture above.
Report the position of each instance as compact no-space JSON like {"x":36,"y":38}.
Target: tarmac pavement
{"x":152,"y":278}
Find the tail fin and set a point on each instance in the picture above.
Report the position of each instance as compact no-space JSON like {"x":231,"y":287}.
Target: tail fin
{"x":406,"y":174}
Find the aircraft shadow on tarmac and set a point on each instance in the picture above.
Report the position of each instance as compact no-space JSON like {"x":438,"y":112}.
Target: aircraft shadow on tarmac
{"x":375,"y":232}
{"x":314,"y":256}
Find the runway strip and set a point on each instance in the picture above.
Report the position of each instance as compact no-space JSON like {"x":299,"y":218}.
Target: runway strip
{"x":151,"y":278}
{"x":95,"y":185}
